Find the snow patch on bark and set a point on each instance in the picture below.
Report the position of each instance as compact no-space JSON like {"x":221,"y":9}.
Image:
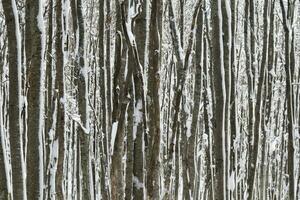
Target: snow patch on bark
{"x":113,"y":136}
{"x":137,"y":183}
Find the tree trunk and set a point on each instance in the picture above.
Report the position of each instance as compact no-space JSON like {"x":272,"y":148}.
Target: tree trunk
{"x":82,"y":97}
{"x":289,"y":70}
{"x":14,"y":59}
{"x":3,"y":181}
{"x":220,"y":99}
{"x":154,"y":112}
{"x":253,"y":155}
{"x":103,"y":133}
{"x":108,"y":71}
{"x":139,"y":121}
{"x":34,"y":54}
{"x":49,"y":104}
{"x":130,"y":146}
{"x":191,"y":145}
{"x":226,"y":28}
{"x":233,"y":106}
{"x":60,"y":103}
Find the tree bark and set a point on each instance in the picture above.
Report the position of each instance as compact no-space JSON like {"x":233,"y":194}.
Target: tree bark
{"x":289,"y":70}
{"x":220,"y":99}
{"x":3,"y":181}
{"x":82,"y":97}
{"x":34,"y":46}
{"x":60,"y":102}
{"x":191,"y":145}
{"x":14,"y":107}
{"x":49,"y":104}
{"x":154,"y":112}
{"x":130,"y":146}
{"x":253,"y":155}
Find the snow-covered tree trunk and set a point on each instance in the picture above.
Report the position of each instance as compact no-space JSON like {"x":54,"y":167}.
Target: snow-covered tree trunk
{"x":139,"y":130}
{"x":82,"y":97}
{"x":219,"y":158}
{"x":14,"y":107}
{"x":287,"y":16}
{"x":191,"y":145}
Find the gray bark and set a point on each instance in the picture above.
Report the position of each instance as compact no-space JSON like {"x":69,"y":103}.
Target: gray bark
{"x":220,"y":98}
{"x":60,"y":98}
{"x":34,"y":59}
{"x":14,"y":60}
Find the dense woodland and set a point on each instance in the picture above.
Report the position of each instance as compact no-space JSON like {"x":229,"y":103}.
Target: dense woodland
{"x":150,"y":99}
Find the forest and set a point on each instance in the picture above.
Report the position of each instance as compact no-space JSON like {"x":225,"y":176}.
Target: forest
{"x":149,"y":99}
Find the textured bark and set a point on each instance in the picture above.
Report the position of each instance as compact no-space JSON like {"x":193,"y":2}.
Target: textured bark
{"x":208,"y":178}
{"x":154,"y":112}
{"x":129,"y":145}
{"x":220,"y":99}
{"x":141,"y":30}
{"x":14,"y":60}
{"x":34,"y":61}
{"x":253,"y":155}
{"x":267,"y":105}
{"x":139,"y":124}
{"x":49,"y":105}
{"x":82,"y":96}
{"x":289,"y":70}
{"x":233,"y":113}
{"x":60,"y":102}
{"x":252,"y":12}
{"x":108,"y":70}
{"x":118,"y":77}
{"x":103,"y":132}
{"x":191,"y":145}
{"x":183,"y":68}
{"x":250,"y":77}
{"x":226,"y":29}
{"x":118,"y":149}
{"x":3,"y":181}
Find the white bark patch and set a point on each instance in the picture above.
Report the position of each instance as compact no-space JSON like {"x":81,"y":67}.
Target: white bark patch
{"x":113,"y":136}
{"x":137,"y":183}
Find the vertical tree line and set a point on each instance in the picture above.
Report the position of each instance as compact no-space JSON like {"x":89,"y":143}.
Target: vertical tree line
{"x":149,"y":99}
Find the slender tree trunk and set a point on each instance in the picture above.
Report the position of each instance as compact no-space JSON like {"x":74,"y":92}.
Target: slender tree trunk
{"x":103,"y":133}
{"x":250,"y":77}
{"x":3,"y":180}
{"x":60,"y":103}
{"x":220,"y":99}
{"x":289,"y":70}
{"x":129,"y":178}
{"x":154,"y":112}
{"x":108,"y":71}
{"x":49,"y":104}
{"x":226,"y":28}
{"x":82,"y":97}
{"x":34,"y":55}
{"x":14,"y":107}
{"x":208,"y":180}
{"x":233,"y":106}
{"x":139,"y":121}
{"x":191,"y":145}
